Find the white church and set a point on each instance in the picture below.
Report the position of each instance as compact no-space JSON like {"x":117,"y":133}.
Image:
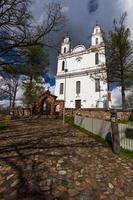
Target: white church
{"x":81,"y":78}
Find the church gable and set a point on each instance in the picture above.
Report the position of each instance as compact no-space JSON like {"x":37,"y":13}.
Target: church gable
{"x":78,"y":48}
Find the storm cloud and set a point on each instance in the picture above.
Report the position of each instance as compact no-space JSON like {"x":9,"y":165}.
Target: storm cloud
{"x":82,"y":16}
{"x":93,"y":5}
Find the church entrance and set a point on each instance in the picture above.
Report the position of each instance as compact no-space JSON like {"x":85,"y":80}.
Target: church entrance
{"x":47,"y":106}
{"x":77,"y":104}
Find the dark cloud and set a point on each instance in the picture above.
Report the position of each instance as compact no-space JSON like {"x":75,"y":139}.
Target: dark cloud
{"x":93,"y":5}
{"x":82,"y":16}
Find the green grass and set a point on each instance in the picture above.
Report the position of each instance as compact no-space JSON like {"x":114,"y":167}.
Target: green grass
{"x":126,"y":122}
{"x":98,"y":138}
{"x":124,"y":152}
{"x":3,"y":126}
{"x":127,"y":153}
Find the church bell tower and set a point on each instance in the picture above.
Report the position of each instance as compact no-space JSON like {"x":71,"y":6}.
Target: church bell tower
{"x":66,"y":45}
{"x":97,"y":36}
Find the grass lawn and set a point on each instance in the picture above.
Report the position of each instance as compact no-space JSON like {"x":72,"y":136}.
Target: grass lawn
{"x":98,"y":138}
{"x":127,"y":122}
{"x":127,"y":153}
{"x":2,"y":126}
{"x":124,"y":152}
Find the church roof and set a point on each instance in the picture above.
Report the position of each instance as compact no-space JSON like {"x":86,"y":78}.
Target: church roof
{"x":78,"y":48}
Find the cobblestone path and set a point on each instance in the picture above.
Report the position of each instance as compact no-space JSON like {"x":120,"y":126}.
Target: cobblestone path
{"x":42,"y":159}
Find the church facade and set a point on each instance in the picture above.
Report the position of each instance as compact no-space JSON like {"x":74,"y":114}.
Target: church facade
{"x":81,"y":77}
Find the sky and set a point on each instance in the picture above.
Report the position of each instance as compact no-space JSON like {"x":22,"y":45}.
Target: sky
{"x":82,"y":16}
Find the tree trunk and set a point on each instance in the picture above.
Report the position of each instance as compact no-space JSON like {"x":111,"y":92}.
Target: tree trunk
{"x":10,"y":101}
{"x":123,"y":88}
{"x":30,"y":90}
{"x":115,"y":132}
{"x":124,"y":106}
{"x":14,"y":95}
{"x":10,"y":97}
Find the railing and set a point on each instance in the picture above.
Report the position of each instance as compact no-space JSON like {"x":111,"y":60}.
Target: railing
{"x":126,"y":136}
{"x":102,"y":128}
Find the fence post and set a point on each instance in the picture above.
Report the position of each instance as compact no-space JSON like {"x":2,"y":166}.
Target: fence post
{"x":115,"y":132}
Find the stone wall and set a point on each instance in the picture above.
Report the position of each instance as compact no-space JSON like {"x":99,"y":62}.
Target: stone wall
{"x":21,"y":112}
{"x":61,"y":105}
{"x":103,"y":114}
{"x":100,"y":113}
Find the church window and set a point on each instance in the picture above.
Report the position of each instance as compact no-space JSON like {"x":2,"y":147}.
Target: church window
{"x":96,"y":41}
{"x":63,"y":65}
{"x":65,"y":50}
{"x":97,"y":85}
{"x":78,"y":87}
{"x":96,"y":59}
{"x":61,"y":88}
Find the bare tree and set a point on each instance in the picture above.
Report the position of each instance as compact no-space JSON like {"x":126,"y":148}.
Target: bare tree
{"x":9,"y":87}
{"x":18,"y":28}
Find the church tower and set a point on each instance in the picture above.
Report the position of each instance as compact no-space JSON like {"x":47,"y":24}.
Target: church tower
{"x":66,"y":45}
{"x":97,"y":36}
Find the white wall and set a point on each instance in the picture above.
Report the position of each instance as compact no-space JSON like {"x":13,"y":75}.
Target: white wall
{"x":80,"y":61}
{"x":87,"y":95}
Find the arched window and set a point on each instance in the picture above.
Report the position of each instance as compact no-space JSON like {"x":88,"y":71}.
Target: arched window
{"x":96,"y":41}
{"x":65,"y":50}
{"x":97,"y":30}
{"x":96,"y":59}
{"x":63,"y":65}
{"x":78,"y":87}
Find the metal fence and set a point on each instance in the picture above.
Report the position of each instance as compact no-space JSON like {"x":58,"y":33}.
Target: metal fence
{"x":102,"y":128}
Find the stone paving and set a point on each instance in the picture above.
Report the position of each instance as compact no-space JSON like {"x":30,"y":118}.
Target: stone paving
{"x":46,"y":160}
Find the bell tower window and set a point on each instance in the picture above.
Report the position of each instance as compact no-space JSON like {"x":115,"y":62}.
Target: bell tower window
{"x":97,"y":41}
{"x":63,"y":65}
{"x":97,"y":30}
{"x":96,"y":59}
{"x":64,"y":49}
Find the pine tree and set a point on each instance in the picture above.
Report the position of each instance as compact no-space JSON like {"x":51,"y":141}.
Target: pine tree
{"x":35,"y":69}
{"x":119,"y":55}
